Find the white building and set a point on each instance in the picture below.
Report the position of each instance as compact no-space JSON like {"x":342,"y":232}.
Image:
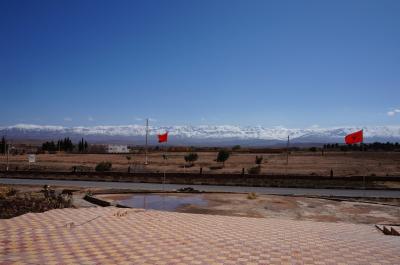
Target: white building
{"x":112,"y":148}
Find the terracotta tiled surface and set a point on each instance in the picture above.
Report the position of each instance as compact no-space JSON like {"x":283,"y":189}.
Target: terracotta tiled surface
{"x":100,"y":236}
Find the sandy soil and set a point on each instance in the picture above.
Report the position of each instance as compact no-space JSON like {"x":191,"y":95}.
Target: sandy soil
{"x":342,"y":163}
{"x":296,"y":208}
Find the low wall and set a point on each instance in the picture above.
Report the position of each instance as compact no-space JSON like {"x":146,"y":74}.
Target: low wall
{"x":372,"y":182}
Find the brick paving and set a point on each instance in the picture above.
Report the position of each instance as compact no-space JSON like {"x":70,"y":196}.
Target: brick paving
{"x":131,"y":236}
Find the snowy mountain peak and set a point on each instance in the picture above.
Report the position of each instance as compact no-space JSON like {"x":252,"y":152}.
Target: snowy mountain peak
{"x":204,"y":133}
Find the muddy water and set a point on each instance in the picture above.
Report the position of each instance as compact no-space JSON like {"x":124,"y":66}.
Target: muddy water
{"x":164,"y":202}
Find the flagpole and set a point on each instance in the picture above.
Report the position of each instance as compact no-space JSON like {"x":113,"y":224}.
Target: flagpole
{"x":165,"y":160}
{"x":361,"y":145}
{"x":147,"y":132}
{"x":353,"y":139}
{"x":163,"y":138}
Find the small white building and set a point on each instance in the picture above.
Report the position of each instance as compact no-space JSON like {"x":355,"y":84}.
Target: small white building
{"x":112,"y":148}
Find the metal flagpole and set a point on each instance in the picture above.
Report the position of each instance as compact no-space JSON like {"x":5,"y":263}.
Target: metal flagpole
{"x":6,"y":148}
{"x":147,"y":132}
{"x":165,"y":160}
{"x":361,"y":145}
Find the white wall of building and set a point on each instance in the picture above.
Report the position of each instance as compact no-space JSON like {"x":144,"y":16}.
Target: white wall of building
{"x":112,"y":148}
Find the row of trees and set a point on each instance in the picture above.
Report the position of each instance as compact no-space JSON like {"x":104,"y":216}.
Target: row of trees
{"x":3,"y":145}
{"x":64,"y":145}
{"x":82,"y":146}
{"x":376,"y":146}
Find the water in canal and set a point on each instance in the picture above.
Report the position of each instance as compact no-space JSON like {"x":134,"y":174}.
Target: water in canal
{"x":164,"y":202}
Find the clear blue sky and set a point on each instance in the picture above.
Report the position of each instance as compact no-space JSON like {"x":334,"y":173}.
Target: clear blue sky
{"x":269,"y":63}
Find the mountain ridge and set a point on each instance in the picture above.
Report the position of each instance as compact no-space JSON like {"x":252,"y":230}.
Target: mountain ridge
{"x":202,"y":134}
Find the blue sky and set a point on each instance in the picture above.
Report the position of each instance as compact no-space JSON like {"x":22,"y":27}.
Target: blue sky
{"x":269,"y":63}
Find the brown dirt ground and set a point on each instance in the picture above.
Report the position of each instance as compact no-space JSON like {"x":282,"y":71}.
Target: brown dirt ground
{"x":342,"y":163}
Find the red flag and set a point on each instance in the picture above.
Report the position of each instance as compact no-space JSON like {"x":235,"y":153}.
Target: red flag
{"x":353,"y":138}
{"x":163,"y":137}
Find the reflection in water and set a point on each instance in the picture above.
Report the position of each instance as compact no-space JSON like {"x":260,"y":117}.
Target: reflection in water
{"x":165,"y":202}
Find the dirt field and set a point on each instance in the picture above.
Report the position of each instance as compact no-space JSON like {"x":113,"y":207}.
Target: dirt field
{"x":297,"y":208}
{"x":304,"y":163}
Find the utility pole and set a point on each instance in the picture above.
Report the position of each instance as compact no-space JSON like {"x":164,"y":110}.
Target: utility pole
{"x":147,"y":133}
{"x":165,"y":159}
{"x":361,"y":146}
{"x":8,"y":154}
{"x":287,"y":156}
{"x":287,"y":150}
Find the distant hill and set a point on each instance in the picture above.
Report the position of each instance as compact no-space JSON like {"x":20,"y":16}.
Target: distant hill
{"x":204,"y":135}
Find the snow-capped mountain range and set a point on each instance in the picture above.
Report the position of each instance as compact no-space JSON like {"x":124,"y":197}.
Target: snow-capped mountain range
{"x":202,"y":134}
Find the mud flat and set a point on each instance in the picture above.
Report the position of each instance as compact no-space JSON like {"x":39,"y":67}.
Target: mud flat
{"x":270,"y":206}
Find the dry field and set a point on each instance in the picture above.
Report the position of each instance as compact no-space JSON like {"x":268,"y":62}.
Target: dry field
{"x":304,"y":163}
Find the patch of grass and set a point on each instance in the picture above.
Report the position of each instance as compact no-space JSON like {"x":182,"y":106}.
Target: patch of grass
{"x":252,"y":196}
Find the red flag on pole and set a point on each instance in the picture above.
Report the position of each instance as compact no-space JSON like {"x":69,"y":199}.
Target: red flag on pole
{"x":353,"y":138}
{"x":162,"y":137}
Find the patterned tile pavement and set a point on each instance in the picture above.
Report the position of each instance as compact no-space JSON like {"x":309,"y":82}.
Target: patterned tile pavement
{"x":131,"y":236}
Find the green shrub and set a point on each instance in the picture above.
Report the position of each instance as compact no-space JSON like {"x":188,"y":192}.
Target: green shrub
{"x":259,"y":160}
{"x":191,"y":157}
{"x":103,"y":166}
{"x":223,"y":155}
{"x":254,"y":170}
